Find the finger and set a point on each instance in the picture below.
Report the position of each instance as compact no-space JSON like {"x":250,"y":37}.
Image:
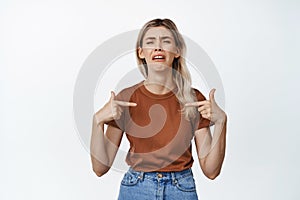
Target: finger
{"x":205,"y":106}
{"x":114,"y":114}
{"x":202,"y":108}
{"x":205,"y":112}
{"x":196,"y":104}
{"x":111,"y":101}
{"x":114,"y":110}
{"x":118,"y":115}
{"x":206,"y":116}
{"x":212,"y":95}
{"x":119,"y":109}
{"x":112,"y":95}
{"x":125,"y":103}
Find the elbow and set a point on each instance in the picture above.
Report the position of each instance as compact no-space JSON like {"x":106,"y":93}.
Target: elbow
{"x":99,"y":168}
{"x":211,"y":172}
{"x":213,"y":175}
{"x":100,"y":171}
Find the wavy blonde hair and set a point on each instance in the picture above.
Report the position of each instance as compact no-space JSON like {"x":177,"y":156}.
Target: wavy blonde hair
{"x":181,"y":75}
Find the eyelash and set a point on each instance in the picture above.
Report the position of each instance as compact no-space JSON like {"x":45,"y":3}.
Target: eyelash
{"x":166,"y":41}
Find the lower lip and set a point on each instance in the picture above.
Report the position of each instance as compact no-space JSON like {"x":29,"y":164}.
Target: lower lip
{"x":159,"y":60}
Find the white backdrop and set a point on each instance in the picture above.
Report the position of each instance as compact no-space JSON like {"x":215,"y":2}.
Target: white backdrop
{"x":43,"y":44}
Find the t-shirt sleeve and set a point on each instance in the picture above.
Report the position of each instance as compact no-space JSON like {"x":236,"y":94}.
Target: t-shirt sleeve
{"x":201,"y":122}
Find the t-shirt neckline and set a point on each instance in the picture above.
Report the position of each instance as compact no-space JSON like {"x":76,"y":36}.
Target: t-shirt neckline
{"x":144,"y":90}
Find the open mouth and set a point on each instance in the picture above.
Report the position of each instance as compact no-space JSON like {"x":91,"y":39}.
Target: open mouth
{"x":158,"y":58}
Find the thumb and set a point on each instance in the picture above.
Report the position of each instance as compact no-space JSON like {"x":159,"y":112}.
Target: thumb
{"x":212,"y":95}
{"x":112,"y":95}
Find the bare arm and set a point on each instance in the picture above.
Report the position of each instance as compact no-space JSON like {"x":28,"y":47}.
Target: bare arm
{"x":104,"y":147}
{"x":211,"y":149}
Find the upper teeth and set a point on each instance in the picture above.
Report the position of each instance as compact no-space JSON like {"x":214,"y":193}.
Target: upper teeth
{"x":158,"y":56}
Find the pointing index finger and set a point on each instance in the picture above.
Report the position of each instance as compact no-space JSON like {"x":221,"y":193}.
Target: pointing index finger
{"x":195,"y":104}
{"x":125,"y":103}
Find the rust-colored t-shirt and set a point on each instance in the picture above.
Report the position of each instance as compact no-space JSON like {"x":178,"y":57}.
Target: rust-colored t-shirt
{"x":159,"y":135}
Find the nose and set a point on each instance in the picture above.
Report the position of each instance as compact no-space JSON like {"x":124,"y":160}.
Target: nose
{"x":158,"y":46}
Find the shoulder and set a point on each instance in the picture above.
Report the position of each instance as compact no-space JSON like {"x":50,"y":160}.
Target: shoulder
{"x":198,"y":94}
{"x":126,"y":93}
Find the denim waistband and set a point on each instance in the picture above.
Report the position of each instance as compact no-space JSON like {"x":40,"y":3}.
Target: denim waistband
{"x":162,"y":175}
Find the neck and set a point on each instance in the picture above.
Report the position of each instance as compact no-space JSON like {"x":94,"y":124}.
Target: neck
{"x":160,"y":82}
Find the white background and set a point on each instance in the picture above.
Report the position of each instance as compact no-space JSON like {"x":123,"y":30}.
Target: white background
{"x":43,"y":44}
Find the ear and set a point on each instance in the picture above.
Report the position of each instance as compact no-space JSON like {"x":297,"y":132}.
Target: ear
{"x":141,"y":53}
{"x":177,"y":54}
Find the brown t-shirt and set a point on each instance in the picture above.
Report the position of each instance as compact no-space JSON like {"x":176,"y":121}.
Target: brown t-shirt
{"x":159,"y":135}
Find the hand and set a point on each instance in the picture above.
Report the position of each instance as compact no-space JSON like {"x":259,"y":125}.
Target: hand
{"x":112,"y":109}
{"x":209,"y":109}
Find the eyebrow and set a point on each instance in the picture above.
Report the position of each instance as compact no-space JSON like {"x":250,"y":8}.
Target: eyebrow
{"x":153,"y":38}
{"x":166,"y":37}
{"x":150,"y":38}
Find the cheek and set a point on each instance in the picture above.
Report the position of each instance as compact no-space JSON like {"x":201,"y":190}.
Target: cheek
{"x":146,"y":52}
{"x":171,"y":56}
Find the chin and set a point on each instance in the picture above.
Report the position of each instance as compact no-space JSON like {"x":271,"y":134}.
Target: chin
{"x":159,"y":66}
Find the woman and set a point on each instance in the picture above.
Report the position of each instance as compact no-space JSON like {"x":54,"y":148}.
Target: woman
{"x":160,"y":116}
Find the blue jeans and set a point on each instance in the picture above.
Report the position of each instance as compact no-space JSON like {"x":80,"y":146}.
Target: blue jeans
{"x":137,"y":185}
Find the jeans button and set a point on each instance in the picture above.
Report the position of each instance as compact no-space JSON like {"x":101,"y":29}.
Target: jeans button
{"x":159,"y":175}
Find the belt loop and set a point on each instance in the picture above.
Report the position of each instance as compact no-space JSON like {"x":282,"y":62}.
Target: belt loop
{"x":141,"y":176}
{"x":174,"y":181}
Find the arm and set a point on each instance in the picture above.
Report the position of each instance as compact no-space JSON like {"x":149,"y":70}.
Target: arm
{"x":104,"y":147}
{"x":211,"y":149}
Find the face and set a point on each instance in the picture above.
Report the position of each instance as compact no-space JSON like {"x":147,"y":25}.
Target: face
{"x":159,"y":48}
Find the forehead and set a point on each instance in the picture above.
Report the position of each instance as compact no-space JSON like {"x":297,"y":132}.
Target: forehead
{"x":158,"y":32}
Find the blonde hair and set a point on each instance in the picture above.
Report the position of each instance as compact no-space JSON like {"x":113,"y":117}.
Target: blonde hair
{"x":181,"y":75}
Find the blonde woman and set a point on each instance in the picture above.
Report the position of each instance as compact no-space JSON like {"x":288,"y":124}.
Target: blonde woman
{"x":160,"y":116}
